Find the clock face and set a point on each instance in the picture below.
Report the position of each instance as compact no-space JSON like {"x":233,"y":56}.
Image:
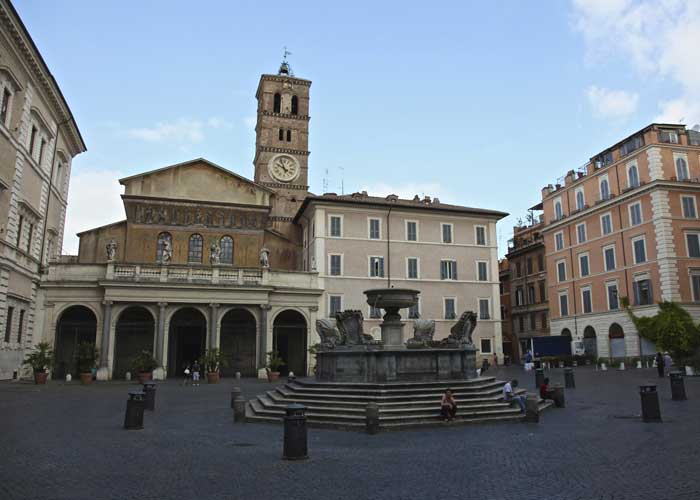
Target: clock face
{"x":284,"y":168}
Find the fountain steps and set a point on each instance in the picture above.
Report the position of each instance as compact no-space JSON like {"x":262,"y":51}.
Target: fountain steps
{"x":401,"y":405}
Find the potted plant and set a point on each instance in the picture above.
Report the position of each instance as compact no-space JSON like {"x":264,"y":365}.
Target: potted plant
{"x":87,"y":358}
{"x":213,"y":360}
{"x":274,"y":361}
{"x":144,"y":364}
{"x":40,"y":359}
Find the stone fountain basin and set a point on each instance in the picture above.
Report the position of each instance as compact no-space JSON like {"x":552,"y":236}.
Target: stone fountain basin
{"x":392,"y":298}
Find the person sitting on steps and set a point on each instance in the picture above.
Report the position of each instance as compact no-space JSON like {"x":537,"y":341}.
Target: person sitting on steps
{"x":509,"y":396}
{"x":448,"y":406}
{"x":545,"y":393}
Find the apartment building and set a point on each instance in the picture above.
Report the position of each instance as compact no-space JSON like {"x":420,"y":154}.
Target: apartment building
{"x":448,"y":252}
{"x":38,"y":140}
{"x":510,"y":347}
{"x":624,"y":225}
{"x":529,"y":308}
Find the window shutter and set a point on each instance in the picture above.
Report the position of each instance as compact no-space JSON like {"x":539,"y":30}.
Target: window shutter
{"x":454,"y":269}
{"x":443,"y":270}
{"x":636,"y":293}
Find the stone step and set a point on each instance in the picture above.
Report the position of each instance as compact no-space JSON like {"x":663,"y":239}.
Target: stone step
{"x":438,"y":384}
{"x":393,"y":393}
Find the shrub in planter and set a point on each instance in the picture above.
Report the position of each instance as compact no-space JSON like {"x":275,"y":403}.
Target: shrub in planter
{"x":40,"y":360}
{"x":87,"y":359}
{"x":144,"y":364}
{"x":274,"y":362}
{"x":213,"y":360}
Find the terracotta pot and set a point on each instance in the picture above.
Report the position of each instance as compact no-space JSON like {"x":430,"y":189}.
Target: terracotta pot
{"x":86,"y":378}
{"x":40,"y":377}
{"x":145,"y":377}
{"x":272,"y":376}
{"x":213,"y":377}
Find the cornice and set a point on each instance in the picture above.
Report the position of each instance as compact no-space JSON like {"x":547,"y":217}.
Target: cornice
{"x":279,"y":185}
{"x":279,"y":78}
{"x":272,"y":149}
{"x":285,"y":115}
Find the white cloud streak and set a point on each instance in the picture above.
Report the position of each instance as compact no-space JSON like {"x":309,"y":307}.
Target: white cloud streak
{"x":182,"y":130}
{"x":659,"y":38}
{"x":608,"y":103}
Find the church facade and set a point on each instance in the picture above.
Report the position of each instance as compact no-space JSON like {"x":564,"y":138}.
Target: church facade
{"x":207,"y":258}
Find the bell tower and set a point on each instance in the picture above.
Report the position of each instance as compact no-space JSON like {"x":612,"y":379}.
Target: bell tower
{"x":282,"y":144}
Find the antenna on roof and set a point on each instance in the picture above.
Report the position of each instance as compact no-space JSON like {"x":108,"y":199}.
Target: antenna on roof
{"x":342,"y":180}
{"x":325,"y":182}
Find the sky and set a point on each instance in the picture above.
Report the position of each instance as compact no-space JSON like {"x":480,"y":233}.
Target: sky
{"x":479,"y":104}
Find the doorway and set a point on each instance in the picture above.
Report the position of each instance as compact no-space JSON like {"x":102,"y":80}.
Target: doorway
{"x":187,"y":337}
{"x":289,"y":339}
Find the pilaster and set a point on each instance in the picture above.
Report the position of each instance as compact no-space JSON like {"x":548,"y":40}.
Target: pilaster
{"x":665,"y":246}
{"x":103,"y":373}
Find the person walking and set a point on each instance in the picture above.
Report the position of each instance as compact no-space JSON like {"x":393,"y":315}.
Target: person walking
{"x":668,"y":363}
{"x":484,"y":366}
{"x":495,"y":360}
{"x":195,"y":373}
{"x":188,"y":374}
{"x":659,"y":364}
{"x":448,"y":406}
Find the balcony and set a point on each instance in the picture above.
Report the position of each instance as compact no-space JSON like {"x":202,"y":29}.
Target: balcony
{"x":179,"y":275}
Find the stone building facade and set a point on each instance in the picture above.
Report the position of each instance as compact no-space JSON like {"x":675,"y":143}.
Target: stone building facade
{"x":447,"y":252}
{"x":625,"y":225}
{"x":529,"y":310}
{"x":38,"y":141}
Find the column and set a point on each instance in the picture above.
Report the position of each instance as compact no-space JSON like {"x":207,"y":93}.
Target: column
{"x":103,"y":371}
{"x":160,"y":335}
{"x":214,"y":326}
{"x":262,"y":352}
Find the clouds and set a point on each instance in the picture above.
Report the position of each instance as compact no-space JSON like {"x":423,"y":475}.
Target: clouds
{"x":608,"y":103}
{"x":183,"y":130}
{"x":656,"y":39}
{"x":94,"y":200}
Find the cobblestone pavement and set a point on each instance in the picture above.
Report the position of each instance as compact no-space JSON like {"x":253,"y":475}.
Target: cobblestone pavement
{"x":65,"y":441}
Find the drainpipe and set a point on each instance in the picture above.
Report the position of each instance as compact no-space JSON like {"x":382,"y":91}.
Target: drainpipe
{"x":624,"y":257}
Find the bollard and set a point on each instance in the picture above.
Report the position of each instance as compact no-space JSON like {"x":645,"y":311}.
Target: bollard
{"x":295,"y":445}
{"x":291,"y":377}
{"x":539,"y":377}
{"x":239,"y":410}
{"x":569,"y":381}
{"x":236,"y":393}
{"x":238,"y":375}
{"x":650,"y":403}
{"x":532,"y":407}
{"x":558,"y":396}
{"x":133,"y":419}
{"x":149,"y":390}
{"x":677,"y":386}
{"x":372,"y":418}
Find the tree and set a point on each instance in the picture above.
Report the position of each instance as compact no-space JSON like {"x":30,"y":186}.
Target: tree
{"x":671,"y":329}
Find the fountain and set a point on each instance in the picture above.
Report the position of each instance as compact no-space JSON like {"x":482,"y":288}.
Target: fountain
{"x":347,"y":354}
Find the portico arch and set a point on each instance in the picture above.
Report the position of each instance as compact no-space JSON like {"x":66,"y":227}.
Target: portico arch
{"x":134,"y":332}
{"x":590,"y":345}
{"x":617,"y":341}
{"x":187,"y":337}
{"x":238,"y":327}
{"x":76,"y":324}
{"x":289,"y":338}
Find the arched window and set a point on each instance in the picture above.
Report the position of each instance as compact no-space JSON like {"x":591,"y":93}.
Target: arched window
{"x":277,"y":104}
{"x":295,"y":105}
{"x":289,"y":135}
{"x":604,"y":190}
{"x":164,"y":239}
{"x":557,"y":210}
{"x":682,"y":169}
{"x":226,"y":250}
{"x":580,"y":202}
{"x":633,"y":176}
{"x":194,"y":252}
{"x":281,"y":135}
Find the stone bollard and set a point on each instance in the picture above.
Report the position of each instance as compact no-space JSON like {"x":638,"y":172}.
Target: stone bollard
{"x":603,"y":367}
{"x":149,"y":391}
{"x":558,"y":396}
{"x":372,"y":418}
{"x":639,"y":364}
{"x":622,"y":365}
{"x":127,"y":376}
{"x":69,"y":377}
{"x":291,"y":377}
{"x":238,"y":375}
{"x":677,"y":386}
{"x":532,"y":407}
{"x":650,"y":403}
{"x":236,"y":393}
{"x":239,"y":409}
{"x":569,"y":381}
{"x":295,"y":436}
{"x":539,"y":377}
{"x":133,"y":419}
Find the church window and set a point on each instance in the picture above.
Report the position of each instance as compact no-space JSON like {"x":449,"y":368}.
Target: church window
{"x":227,"y":250}
{"x":194,"y":254}
{"x":162,"y":239}
{"x":295,"y":105}
{"x":281,"y":135}
{"x":278,"y":103}
{"x":289,"y":136}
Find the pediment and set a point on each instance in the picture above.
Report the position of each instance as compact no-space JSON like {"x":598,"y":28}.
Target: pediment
{"x":196,"y":180}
